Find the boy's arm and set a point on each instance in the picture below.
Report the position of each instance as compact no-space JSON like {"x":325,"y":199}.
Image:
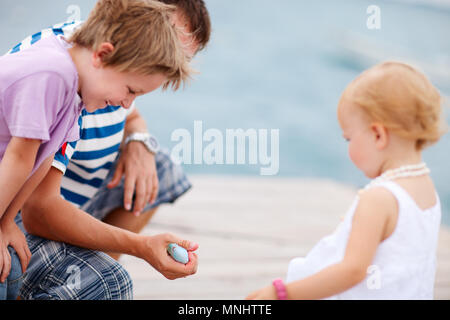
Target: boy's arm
{"x":48,"y":215}
{"x":27,"y":189}
{"x":15,"y":167}
{"x":12,"y":235}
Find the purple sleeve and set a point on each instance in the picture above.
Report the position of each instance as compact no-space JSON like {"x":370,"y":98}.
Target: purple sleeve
{"x":74,"y":132}
{"x":31,"y":105}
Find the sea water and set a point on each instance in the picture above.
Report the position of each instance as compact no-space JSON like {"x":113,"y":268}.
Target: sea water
{"x":282,"y":65}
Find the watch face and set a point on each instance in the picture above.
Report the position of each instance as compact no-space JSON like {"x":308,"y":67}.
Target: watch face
{"x":153,"y":143}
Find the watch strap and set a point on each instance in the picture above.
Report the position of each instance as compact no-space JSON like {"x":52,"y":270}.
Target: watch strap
{"x":149,"y":141}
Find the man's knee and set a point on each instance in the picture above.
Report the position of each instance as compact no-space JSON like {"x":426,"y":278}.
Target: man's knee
{"x":85,"y":275}
{"x":116,"y":282}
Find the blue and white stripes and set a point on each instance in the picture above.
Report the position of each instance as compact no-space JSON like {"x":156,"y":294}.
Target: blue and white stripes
{"x":58,"y":29}
{"x":93,"y":155}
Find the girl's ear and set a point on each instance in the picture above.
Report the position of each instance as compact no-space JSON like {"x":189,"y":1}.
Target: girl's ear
{"x":99,"y":55}
{"x":381,"y":135}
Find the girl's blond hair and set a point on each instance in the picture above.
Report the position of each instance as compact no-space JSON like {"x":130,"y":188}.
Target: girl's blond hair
{"x":402,"y":99}
{"x":144,"y":39}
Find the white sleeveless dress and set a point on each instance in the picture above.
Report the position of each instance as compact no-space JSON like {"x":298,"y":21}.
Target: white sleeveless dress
{"x":404,"y":266}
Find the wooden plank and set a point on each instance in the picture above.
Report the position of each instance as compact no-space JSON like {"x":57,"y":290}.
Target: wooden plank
{"x":248,"y":230}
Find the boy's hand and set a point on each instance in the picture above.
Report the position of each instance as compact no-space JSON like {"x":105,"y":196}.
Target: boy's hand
{"x":154,"y":251}
{"x":14,"y":237}
{"x":267,"y":293}
{"x":5,"y":263}
{"x":141,"y":178}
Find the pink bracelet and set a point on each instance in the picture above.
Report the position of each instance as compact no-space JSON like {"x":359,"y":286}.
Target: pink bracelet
{"x":280,"y":289}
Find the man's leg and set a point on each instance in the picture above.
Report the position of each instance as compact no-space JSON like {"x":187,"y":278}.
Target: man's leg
{"x":59,"y":271}
{"x":124,"y":219}
{"x":74,"y":273}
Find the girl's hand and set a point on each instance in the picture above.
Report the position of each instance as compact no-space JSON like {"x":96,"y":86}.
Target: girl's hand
{"x":267,"y":293}
{"x":14,"y":237}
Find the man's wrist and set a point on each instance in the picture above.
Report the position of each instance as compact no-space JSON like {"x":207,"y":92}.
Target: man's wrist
{"x":137,"y":247}
{"x":148,"y":140}
{"x":144,"y":248}
{"x":133,"y":144}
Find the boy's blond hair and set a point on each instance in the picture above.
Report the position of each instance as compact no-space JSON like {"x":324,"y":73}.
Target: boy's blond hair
{"x":402,"y":99}
{"x":144,"y":39}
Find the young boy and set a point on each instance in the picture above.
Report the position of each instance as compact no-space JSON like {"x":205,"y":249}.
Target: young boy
{"x":125,"y":49}
{"x":76,"y":187}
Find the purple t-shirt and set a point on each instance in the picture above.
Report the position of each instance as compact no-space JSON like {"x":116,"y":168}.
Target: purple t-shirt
{"x":38,"y":97}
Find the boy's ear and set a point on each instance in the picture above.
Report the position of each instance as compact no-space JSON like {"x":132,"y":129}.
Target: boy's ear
{"x":381,"y":135}
{"x":98,"y":56}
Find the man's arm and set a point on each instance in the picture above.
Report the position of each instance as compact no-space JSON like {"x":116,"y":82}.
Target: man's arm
{"x":134,"y":123}
{"x":48,"y":215}
{"x":139,"y":167}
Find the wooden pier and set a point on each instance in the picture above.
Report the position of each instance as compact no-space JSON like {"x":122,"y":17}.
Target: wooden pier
{"x":248,"y":229}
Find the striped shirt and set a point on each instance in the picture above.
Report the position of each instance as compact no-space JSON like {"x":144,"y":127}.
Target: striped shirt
{"x":86,"y":162}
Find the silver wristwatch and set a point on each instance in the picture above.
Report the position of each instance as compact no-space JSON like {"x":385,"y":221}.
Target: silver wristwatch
{"x":147,"y":139}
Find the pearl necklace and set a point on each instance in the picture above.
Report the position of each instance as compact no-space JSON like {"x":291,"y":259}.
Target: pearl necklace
{"x":413,"y":170}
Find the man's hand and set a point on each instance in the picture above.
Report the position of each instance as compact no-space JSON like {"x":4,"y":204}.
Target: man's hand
{"x":154,"y":251}
{"x":141,"y":178}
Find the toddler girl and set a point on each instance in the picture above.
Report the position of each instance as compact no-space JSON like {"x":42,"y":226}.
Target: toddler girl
{"x":385,"y":248}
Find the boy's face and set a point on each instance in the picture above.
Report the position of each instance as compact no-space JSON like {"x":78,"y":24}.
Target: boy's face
{"x":106,"y":86}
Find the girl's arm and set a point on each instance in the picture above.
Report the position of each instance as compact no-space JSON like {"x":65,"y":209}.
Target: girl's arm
{"x":376,"y":208}
{"x":15,"y":168}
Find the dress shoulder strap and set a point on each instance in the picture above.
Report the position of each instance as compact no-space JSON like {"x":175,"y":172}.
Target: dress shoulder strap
{"x":402,"y":196}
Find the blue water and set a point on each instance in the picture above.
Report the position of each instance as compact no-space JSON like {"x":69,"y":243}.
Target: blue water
{"x":283,"y":65}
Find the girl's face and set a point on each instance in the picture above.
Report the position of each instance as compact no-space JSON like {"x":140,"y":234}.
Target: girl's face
{"x":356,"y":129}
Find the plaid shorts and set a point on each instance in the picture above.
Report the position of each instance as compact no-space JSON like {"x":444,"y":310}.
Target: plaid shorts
{"x":171,"y":180}
{"x":61,"y":271}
